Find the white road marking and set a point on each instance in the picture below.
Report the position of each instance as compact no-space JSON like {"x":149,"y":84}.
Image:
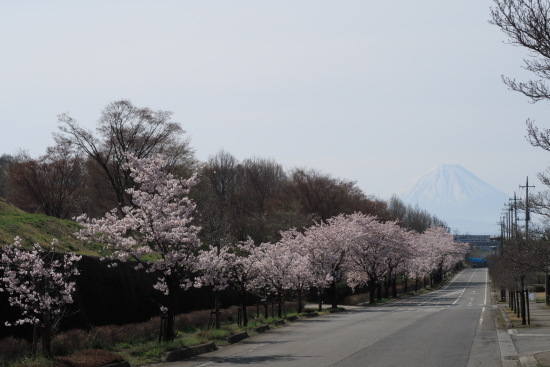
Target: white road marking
{"x":452,"y":280}
{"x":486,"y":282}
{"x":481,"y":318}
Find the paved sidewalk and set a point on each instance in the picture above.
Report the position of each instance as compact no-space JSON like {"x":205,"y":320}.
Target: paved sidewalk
{"x":532,"y":342}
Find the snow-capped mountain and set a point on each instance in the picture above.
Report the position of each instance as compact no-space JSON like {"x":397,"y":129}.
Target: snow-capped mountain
{"x":467,"y":203}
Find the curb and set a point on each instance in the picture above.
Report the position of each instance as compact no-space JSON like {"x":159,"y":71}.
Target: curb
{"x":119,"y":364}
{"x":292,"y":318}
{"x":260,"y":329}
{"x":310,"y":314}
{"x":339,"y":309}
{"x":509,"y":325}
{"x":528,"y":361}
{"x":278,"y":322}
{"x":237,"y":337}
{"x":184,"y":353}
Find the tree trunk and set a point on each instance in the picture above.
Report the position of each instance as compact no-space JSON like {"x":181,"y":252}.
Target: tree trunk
{"x":518,"y":304}
{"x":320,"y":295}
{"x":416,"y":284}
{"x":280,"y":306}
{"x":47,"y":337}
{"x":372,"y":292}
{"x":334,"y":294}
{"x":394,"y":286}
{"x":35,"y":340}
{"x":217,"y":308}
{"x":379,"y":291}
{"x":169,"y":333}
{"x":245,"y":316}
{"x":406,"y":289}
{"x":527,"y":304}
{"x":523,"y":313}
{"x":300,"y":307}
{"x":386,"y":287}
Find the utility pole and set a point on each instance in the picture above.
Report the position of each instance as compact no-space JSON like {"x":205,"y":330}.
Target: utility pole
{"x":501,"y":231}
{"x":527,"y":216}
{"x":510,"y":219}
{"x":514,"y":219}
{"x":505,"y":217}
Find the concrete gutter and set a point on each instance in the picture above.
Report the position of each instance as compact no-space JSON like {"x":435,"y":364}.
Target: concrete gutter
{"x":508,"y":353}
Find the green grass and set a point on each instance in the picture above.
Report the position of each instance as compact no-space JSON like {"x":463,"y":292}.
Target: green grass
{"x":146,"y":350}
{"x":41,"y":229}
{"x":150,"y":352}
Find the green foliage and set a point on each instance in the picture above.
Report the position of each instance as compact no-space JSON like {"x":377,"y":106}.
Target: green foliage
{"x":41,"y":229}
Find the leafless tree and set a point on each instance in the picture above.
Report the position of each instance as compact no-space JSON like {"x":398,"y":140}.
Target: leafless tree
{"x":51,"y":184}
{"x":324,"y":196}
{"x":526,"y":23}
{"x":221,"y":172}
{"x":213,"y":196}
{"x":414,"y":218}
{"x":6,"y":161}
{"x":124,"y":128}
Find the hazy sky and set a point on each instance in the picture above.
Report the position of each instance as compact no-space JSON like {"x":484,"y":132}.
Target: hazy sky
{"x":373,"y":91}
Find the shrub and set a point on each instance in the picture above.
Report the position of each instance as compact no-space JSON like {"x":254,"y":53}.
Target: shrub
{"x":355,"y":299}
{"x":89,"y":358}
{"x":12,"y":348}
{"x":68,"y":342}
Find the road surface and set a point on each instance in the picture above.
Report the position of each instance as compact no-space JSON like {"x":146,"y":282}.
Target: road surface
{"x":453,"y":326}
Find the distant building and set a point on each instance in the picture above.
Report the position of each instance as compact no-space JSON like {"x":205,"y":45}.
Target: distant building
{"x":481,"y":242}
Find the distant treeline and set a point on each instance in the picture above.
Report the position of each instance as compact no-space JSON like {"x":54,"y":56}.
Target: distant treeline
{"x":84,"y":172}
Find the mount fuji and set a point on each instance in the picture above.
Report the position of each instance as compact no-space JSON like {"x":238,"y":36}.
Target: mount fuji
{"x":467,"y":203}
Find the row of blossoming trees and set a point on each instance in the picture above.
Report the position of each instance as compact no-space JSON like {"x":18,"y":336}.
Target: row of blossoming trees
{"x":157,"y":232}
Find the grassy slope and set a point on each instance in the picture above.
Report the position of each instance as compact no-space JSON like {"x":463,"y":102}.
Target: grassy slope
{"x":41,"y":229}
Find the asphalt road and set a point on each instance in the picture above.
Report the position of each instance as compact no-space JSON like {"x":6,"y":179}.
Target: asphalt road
{"x":453,"y":326}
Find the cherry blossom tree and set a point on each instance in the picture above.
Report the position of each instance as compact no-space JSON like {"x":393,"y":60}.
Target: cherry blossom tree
{"x":417,"y":265}
{"x":40,"y":285}
{"x":326,"y":245}
{"x":242,"y":270}
{"x":440,"y":251}
{"x":294,"y":242}
{"x":397,"y":250}
{"x":212,"y":265}
{"x":369,"y":251}
{"x":156,"y":232}
{"x":280,"y":268}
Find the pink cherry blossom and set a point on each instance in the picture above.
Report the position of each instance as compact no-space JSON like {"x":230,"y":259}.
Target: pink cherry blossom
{"x":40,"y":285}
{"x":156,"y":231}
